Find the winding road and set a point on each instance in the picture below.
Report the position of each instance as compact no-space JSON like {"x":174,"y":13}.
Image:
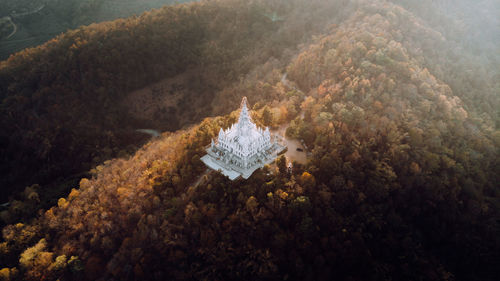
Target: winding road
{"x":14,"y":30}
{"x":151,"y":132}
{"x":16,"y":15}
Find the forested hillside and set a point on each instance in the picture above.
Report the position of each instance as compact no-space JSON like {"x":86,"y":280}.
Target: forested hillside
{"x":400,"y":122}
{"x":61,"y":110}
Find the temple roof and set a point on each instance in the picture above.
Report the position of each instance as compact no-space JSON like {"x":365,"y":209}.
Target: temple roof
{"x":245,"y":131}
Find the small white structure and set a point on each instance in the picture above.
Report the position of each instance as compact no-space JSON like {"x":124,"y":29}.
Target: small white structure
{"x":243,"y":148}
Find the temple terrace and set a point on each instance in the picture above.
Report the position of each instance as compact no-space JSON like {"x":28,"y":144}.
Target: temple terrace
{"x":243,"y":148}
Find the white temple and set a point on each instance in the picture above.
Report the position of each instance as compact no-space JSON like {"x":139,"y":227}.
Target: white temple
{"x":243,"y":148}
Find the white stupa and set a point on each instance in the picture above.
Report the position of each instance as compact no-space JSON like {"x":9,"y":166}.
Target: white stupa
{"x":243,"y":148}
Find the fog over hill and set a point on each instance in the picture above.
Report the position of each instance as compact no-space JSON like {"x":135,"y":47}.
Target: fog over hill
{"x":34,"y":22}
{"x":396,"y":102}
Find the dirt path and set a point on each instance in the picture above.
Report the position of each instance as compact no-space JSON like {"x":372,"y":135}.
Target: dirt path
{"x":296,"y":150}
{"x":286,"y":83}
{"x":201,"y":177}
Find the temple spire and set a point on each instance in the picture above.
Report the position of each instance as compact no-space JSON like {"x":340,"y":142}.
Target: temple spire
{"x":244,"y":116}
{"x":243,"y":102}
{"x":245,"y":124}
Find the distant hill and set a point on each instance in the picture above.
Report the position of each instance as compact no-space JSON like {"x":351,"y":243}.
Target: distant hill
{"x":401,"y":122}
{"x":37,"y":21}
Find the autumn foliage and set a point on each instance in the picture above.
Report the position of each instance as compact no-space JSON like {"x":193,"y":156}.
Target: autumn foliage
{"x":401,"y":181}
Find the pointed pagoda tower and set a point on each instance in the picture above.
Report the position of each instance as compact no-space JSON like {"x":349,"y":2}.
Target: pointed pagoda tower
{"x":245,"y":124}
{"x":242,"y":148}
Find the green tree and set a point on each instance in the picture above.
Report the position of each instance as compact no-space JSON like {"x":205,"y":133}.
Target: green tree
{"x":267,"y":116}
{"x":281,"y":163}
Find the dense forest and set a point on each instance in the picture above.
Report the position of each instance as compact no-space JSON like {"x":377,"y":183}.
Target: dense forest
{"x":399,"y":112}
{"x":81,"y":91}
